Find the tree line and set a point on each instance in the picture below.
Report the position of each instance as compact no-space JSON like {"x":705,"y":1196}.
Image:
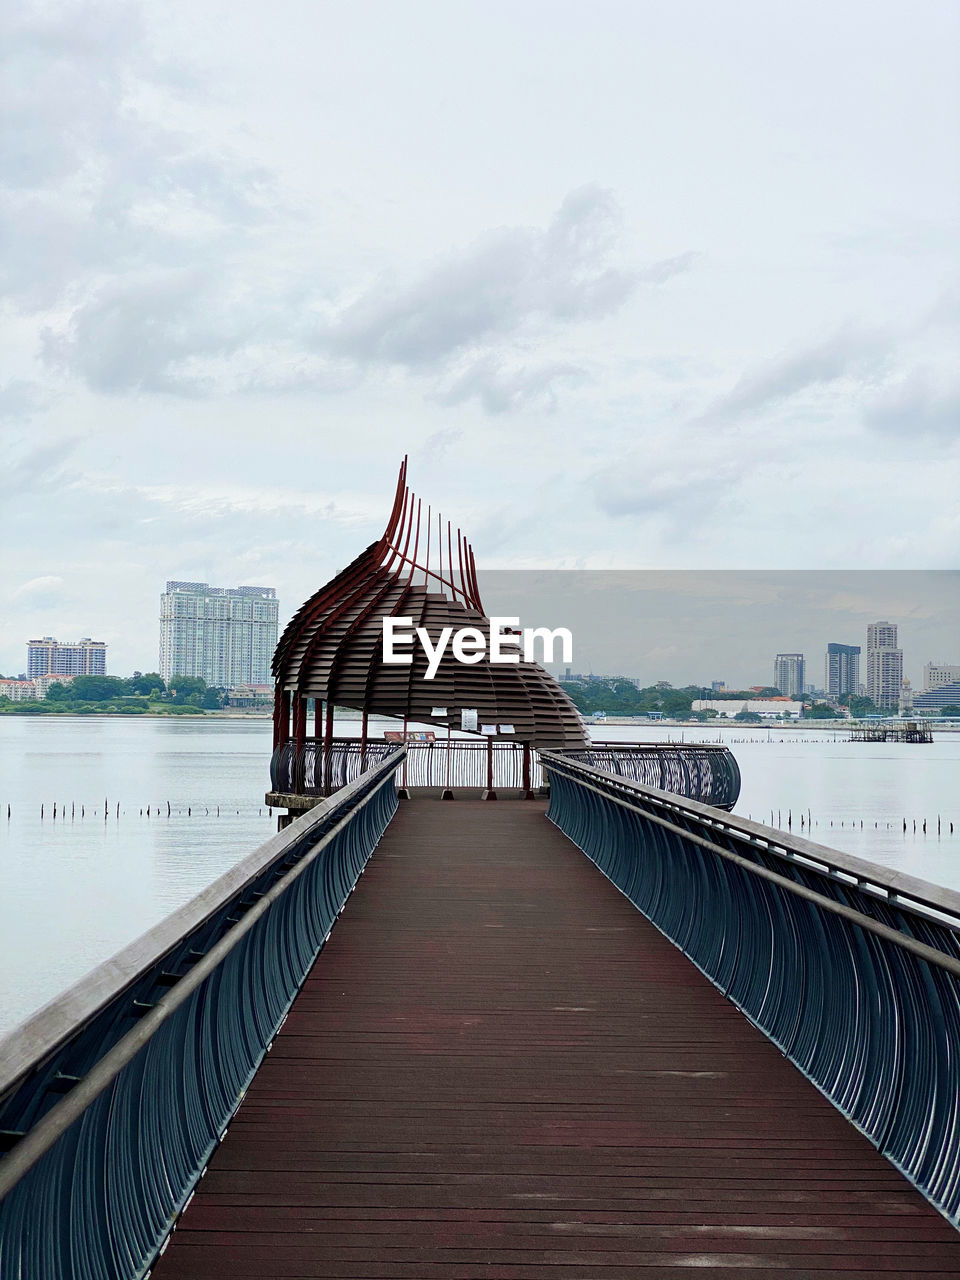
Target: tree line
{"x":136,"y":694}
{"x":623,"y":698}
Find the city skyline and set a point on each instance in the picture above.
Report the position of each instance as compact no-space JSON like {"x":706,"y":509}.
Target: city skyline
{"x":542,"y":600}
{"x":692,"y":627}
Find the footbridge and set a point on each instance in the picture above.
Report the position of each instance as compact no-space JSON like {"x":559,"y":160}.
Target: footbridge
{"x":613,"y":1031}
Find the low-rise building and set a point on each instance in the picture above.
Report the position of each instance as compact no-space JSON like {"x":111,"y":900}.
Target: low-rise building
{"x":937,"y":674}
{"x":18,"y":690}
{"x":249,"y":695}
{"x":948,"y":695}
{"x":768,"y":707}
{"x":42,"y":683}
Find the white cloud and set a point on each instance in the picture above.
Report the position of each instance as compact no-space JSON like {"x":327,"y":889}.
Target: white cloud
{"x":510,"y":277}
{"x":924,"y":403}
{"x":47,"y":586}
{"x":851,"y":352}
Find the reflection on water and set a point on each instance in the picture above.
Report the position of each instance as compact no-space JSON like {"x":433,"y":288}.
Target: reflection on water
{"x":78,"y":888}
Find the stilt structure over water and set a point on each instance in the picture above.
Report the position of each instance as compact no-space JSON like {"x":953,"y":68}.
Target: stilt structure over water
{"x":910,"y":731}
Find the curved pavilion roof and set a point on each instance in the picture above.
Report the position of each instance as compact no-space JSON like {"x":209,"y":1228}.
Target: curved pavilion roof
{"x":332,"y":648}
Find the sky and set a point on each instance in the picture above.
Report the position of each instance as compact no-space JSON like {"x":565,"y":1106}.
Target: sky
{"x":635,"y":285}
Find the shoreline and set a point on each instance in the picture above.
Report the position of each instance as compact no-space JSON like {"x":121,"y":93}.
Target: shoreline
{"x":265,"y":716}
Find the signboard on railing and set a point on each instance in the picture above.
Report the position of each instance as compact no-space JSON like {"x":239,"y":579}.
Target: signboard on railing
{"x":411,"y":735}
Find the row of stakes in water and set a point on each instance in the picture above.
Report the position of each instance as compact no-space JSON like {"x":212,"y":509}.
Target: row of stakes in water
{"x":807,"y":823}
{"x":151,"y":810}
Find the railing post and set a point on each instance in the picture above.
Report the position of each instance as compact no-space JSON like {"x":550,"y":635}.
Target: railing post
{"x":402,"y":792}
{"x":489,"y":793}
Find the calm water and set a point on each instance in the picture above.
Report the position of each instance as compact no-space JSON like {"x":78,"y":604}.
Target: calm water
{"x":75,"y":890}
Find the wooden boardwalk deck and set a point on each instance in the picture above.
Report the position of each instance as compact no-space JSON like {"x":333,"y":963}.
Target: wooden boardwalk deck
{"x":499,"y":1069}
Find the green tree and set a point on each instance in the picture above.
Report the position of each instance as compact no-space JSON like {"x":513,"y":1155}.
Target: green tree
{"x":186,"y":691}
{"x":95,"y":688}
{"x":820,"y":711}
{"x":950,"y":711}
{"x":862,"y":706}
{"x":151,"y":683}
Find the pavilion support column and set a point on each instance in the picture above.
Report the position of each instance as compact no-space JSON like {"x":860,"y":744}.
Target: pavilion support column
{"x":281,"y":717}
{"x":299,"y":719}
{"x":402,"y":792}
{"x":363,"y":740}
{"x":317,"y":718}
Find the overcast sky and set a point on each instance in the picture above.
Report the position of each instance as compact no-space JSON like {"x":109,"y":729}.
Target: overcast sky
{"x":637,"y":285}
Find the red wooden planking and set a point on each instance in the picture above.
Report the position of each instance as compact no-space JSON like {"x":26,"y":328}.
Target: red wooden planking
{"x":499,"y":1068}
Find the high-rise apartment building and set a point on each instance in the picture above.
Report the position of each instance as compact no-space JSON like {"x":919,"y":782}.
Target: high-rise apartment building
{"x":884,"y":665}
{"x":937,"y":674}
{"x":788,"y":674}
{"x":841,"y":670}
{"x":48,"y":657}
{"x":225,"y":635}
{"x":881,"y":635}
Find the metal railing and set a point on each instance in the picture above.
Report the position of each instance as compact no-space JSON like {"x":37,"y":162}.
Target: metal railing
{"x":851,"y":969}
{"x":297,"y":767}
{"x":698,"y":771}
{"x":114,"y":1096}
{"x":702,"y":772}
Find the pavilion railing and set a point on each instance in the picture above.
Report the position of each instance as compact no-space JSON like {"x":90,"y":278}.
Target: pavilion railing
{"x":297,"y":766}
{"x":851,"y":969}
{"x":707,"y":773}
{"x":114,"y":1096}
{"x":698,"y":771}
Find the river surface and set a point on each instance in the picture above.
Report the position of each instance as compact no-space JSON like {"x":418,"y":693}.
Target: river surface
{"x":77,"y":888}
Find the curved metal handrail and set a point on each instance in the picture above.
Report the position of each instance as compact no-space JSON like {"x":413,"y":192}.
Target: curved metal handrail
{"x":114,"y":1122}
{"x":705,"y":772}
{"x":852,"y":970}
